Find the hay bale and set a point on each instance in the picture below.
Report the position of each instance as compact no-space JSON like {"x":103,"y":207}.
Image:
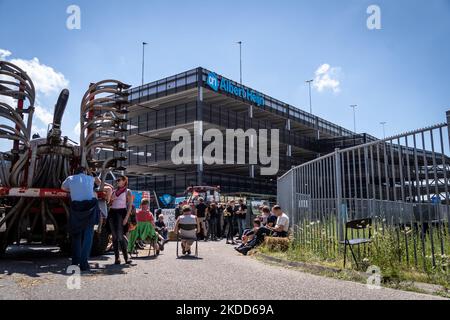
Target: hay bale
{"x":277,"y":244}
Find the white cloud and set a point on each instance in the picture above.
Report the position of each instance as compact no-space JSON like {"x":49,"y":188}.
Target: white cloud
{"x":47,"y":81}
{"x":9,"y":101}
{"x":43,"y":115}
{"x":45,"y":78}
{"x":327,"y":77}
{"x":77,"y":129}
{"x":4,"y":54}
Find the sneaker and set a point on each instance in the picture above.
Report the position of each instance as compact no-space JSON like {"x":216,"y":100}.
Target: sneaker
{"x":117,"y":261}
{"x":161,"y":246}
{"x":129,"y":262}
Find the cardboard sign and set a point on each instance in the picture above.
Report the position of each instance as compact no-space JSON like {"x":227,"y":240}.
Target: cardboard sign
{"x":169,"y":218}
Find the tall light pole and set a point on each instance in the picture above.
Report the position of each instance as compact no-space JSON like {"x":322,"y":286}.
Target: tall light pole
{"x":143,"y":60}
{"x":240,"y":60}
{"x":354,"y":106}
{"x":384,"y":128}
{"x":310,"y":99}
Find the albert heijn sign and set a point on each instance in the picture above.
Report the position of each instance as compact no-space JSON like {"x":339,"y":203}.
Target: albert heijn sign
{"x":225,"y":85}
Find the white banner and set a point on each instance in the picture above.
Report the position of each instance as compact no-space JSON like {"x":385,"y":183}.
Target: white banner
{"x":169,"y":218}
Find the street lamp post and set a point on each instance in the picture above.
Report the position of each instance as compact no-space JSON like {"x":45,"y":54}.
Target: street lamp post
{"x":240,"y":60}
{"x":143,"y":60}
{"x":310,"y":99}
{"x":384,"y":128}
{"x":354,"y":106}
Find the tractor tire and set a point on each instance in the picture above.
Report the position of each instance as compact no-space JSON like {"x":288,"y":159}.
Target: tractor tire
{"x":100,"y":242}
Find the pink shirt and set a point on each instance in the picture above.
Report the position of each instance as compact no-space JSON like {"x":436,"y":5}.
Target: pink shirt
{"x":120,"y":202}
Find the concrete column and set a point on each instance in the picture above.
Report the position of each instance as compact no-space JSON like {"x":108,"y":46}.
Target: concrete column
{"x":198,"y":137}
{"x":252,"y":166}
{"x":289,"y":147}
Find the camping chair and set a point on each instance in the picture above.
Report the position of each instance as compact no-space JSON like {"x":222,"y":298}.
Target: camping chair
{"x":139,"y":236}
{"x":187,"y":227}
{"x":152,"y":244}
{"x":360,"y":224}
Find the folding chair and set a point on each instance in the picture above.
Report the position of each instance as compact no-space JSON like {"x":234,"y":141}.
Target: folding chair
{"x":187,"y":227}
{"x":152,"y":247}
{"x":360,"y":224}
{"x":152,"y":244}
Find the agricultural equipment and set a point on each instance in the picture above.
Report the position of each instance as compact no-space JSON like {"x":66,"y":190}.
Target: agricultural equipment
{"x":33,"y":208}
{"x":209,"y":194}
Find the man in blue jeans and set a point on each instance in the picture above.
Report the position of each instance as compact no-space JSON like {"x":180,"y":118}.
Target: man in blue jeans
{"x":84,"y":215}
{"x":241,"y":216}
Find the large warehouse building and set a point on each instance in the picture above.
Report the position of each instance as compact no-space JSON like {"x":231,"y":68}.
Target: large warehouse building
{"x":200,"y":96}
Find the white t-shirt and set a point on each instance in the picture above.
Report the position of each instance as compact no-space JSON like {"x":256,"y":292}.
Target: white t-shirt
{"x":283,"y":221}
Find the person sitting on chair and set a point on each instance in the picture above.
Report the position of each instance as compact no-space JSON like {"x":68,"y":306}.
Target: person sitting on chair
{"x":145,"y":228}
{"x":161,"y":227}
{"x":187,"y":236}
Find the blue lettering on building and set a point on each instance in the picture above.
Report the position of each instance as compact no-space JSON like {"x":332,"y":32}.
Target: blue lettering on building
{"x":226,"y":85}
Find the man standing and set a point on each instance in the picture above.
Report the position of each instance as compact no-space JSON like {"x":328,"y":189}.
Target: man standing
{"x":229,"y":215}
{"x":84,"y":215}
{"x":241,"y":216}
{"x":200,"y":212}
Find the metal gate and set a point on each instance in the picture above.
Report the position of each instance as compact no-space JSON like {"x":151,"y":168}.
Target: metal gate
{"x":401,"y":182}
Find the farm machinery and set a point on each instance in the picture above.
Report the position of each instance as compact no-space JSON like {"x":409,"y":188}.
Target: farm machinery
{"x":33,"y":208}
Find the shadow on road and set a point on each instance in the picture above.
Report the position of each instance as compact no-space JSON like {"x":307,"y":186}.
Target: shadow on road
{"x":189,"y":258}
{"x":37,"y":261}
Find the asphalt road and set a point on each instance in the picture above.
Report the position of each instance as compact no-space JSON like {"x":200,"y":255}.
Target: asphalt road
{"x":219,"y":273}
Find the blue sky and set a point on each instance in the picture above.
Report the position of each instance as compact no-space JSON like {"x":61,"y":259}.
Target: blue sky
{"x":399,"y":74}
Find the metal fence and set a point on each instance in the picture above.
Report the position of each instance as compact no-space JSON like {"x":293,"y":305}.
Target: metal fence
{"x":402,"y":183}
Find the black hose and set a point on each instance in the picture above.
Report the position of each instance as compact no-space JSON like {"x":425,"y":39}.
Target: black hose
{"x":60,"y":107}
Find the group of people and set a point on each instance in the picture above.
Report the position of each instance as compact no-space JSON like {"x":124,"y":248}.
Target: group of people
{"x":129,"y":226}
{"x":219,"y":221}
{"x":228,"y":220}
{"x":273,"y":223}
